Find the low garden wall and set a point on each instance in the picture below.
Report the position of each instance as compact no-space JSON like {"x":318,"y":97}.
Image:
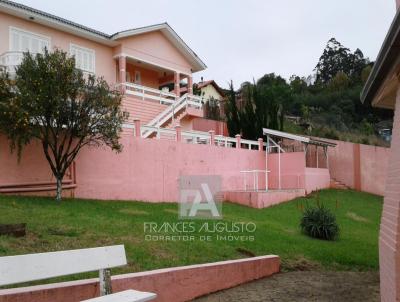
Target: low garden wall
{"x":176,"y":284}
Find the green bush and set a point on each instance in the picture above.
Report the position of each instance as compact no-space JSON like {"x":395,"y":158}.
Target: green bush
{"x":319,"y":222}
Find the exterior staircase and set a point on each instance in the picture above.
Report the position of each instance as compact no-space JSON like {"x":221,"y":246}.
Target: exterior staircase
{"x":175,"y":111}
{"x":335,"y":184}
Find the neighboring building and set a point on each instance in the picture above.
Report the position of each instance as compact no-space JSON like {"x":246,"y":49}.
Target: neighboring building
{"x":127,"y":59}
{"x":213,"y":97}
{"x":210,"y":89}
{"x":382,"y":89}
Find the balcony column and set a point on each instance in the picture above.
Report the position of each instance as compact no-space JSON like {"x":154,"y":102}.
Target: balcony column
{"x":177,"y":79}
{"x":190,"y":84}
{"x":122,"y":71}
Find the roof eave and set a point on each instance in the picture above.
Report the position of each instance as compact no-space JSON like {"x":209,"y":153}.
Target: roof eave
{"x":52,"y":21}
{"x":196,"y":62}
{"x":384,"y":65}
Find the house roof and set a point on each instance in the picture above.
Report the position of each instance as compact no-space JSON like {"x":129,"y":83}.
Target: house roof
{"x":384,"y":68}
{"x":213,"y":83}
{"x":65,"y":25}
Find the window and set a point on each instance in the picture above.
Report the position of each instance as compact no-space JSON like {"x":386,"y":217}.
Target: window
{"x":21,"y":40}
{"x":138,"y":78}
{"x":84,"y":58}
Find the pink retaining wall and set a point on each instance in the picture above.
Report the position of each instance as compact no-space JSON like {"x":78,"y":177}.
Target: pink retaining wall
{"x":171,"y":284}
{"x":316,"y":179}
{"x":361,"y":167}
{"x":261,"y":200}
{"x":149,"y":169}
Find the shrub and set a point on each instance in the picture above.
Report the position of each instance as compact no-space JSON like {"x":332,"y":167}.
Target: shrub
{"x":319,"y":222}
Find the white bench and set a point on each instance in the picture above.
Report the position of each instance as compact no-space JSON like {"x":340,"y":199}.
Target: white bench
{"x":32,"y":267}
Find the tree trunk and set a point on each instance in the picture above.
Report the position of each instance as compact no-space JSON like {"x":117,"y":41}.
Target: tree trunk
{"x":59,"y":189}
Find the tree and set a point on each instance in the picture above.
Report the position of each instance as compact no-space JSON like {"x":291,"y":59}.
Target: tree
{"x":232,"y":112}
{"x":52,"y":101}
{"x":337,"y":58}
{"x":263,"y":105}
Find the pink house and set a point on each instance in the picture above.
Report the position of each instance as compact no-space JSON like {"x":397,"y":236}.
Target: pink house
{"x":149,"y":64}
{"x":383,"y":90}
{"x":165,"y":136}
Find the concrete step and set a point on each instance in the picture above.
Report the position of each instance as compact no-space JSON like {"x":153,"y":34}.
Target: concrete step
{"x":338,"y":185}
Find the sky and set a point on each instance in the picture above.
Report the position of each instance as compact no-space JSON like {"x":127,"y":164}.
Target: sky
{"x":241,"y":40}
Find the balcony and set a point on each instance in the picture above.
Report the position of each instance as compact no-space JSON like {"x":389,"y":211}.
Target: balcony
{"x":10,"y":60}
{"x":148,"y":93}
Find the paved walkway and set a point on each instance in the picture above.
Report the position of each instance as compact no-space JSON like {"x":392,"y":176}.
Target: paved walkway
{"x":304,"y":286}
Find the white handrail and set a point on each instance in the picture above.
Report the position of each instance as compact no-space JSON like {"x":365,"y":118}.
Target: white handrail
{"x":145,"y":92}
{"x":255,"y":178}
{"x":169,"y":112}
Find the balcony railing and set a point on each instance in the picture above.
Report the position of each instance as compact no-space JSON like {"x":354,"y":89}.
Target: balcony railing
{"x":10,"y":60}
{"x":148,"y":93}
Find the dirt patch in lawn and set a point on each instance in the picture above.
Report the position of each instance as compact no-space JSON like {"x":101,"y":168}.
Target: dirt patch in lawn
{"x":304,"y":286}
{"x":356,"y":217}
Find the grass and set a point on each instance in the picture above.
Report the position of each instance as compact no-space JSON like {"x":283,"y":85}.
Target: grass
{"x":89,"y":223}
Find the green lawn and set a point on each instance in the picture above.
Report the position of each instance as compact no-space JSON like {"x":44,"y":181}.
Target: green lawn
{"x":87,"y":223}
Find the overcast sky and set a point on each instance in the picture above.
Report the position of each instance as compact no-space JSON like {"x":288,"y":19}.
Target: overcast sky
{"x":243,"y":39}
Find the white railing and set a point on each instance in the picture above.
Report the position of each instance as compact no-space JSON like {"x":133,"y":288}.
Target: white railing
{"x":169,"y":113}
{"x":148,"y":93}
{"x":195,"y":137}
{"x":10,"y":60}
{"x":255,"y":174}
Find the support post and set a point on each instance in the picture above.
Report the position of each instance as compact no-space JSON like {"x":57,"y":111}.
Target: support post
{"x":138,"y":132}
{"x":177,"y":88}
{"x":122,"y":72}
{"x":238,"y":139}
{"x":178,"y":130}
{"x":212,"y":137}
{"x":260,"y":144}
{"x":190,"y":84}
{"x":279,"y":167}
{"x":105,"y":282}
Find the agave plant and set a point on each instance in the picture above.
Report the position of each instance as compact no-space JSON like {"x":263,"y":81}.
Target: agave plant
{"x":319,"y":222}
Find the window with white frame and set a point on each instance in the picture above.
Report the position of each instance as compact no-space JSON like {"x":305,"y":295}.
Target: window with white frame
{"x":21,"y":40}
{"x":84,"y":58}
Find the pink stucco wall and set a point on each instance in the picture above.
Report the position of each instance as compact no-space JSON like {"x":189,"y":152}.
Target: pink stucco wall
{"x":361,"y":167}
{"x":261,"y":200}
{"x":142,"y":47}
{"x":105,"y":64}
{"x":177,"y":284}
{"x":389,"y":237}
{"x":33,"y":166}
{"x":374,"y":166}
{"x":292,"y":170}
{"x":202,"y":124}
{"x":149,"y":169}
{"x":316,"y":179}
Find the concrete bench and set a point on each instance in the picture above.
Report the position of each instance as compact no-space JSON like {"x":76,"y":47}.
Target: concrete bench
{"x":33,"y":267}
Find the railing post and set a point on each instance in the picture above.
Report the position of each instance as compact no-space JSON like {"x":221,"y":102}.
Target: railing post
{"x":138,"y":132}
{"x":212,"y":137}
{"x":178,"y":130}
{"x":260,"y":144}
{"x":238,"y":138}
